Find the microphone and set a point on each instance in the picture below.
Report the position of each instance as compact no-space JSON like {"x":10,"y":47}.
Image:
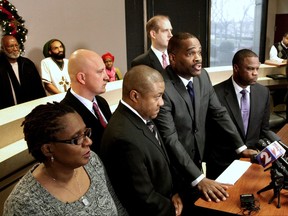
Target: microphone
{"x":270,"y":152}
{"x":272,"y":136}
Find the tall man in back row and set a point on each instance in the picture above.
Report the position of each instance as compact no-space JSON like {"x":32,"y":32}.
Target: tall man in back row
{"x":159,"y":30}
{"x":181,"y":120}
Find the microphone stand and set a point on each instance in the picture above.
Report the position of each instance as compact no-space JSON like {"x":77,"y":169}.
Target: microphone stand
{"x":277,"y":183}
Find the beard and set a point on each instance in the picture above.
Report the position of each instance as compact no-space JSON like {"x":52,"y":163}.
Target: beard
{"x":12,"y":55}
{"x":58,"y":56}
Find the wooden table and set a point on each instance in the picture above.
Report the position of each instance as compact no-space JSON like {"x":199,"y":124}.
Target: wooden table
{"x":253,"y":180}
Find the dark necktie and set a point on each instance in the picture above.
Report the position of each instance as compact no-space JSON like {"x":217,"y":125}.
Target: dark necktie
{"x":191,"y":91}
{"x":99,"y":115}
{"x":151,"y":126}
{"x":245,"y":108}
{"x":164,"y":61}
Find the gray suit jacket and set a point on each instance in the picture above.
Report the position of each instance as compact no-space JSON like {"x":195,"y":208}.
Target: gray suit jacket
{"x":148,"y":58}
{"x":220,"y":152}
{"x":183,"y":129}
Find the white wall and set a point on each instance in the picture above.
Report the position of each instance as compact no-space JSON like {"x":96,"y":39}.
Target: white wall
{"x":91,"y":24}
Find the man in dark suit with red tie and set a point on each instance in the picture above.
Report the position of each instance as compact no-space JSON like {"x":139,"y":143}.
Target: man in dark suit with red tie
{"x":88,"y":80}
{"x":159,"y":30}
{"x":133,"y":153}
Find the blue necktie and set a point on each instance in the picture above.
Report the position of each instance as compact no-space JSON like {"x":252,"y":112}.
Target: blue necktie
{"x":191,"y":91}
{"x":245,"y":108}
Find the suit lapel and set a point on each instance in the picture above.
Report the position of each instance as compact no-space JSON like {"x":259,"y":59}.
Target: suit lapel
{"x":232,"y":103}
{"x":155,"y":61}
{"x":134,"y":119}
{"x":178,"y":84}
{"x":253,"y":107}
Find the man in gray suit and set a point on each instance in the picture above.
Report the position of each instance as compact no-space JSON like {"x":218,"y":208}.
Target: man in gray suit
{"x":133,"y":154}
{"x":181,"y":120}
{"x":159,"y":30}
{"x":245,"y":73}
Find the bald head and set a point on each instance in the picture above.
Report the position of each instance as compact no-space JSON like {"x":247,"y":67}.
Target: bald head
{"x":143,"y":88}
{"x":81,"y":60}
{"x":87,"y":72}
{"x":140,"y":77}
{"x":10,"y":47}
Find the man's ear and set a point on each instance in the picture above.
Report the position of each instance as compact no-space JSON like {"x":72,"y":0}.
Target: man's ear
{"x":235,"y":68}
{"x":152,"y":33}
{"x":134,"y":95}
{"x":80,"y":76}
{"x":47,"y":149}
{"x":171,"y":58}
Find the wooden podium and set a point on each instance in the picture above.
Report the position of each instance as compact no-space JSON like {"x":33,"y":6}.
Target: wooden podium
{"x":252,"y":181}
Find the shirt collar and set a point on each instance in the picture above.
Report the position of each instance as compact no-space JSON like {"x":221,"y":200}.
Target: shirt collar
{"x":238,"y":88}
{"x":159,"y":54}
{"x":133,"y":110}
{"x":185,"y":81}
{"x":87,"y":103}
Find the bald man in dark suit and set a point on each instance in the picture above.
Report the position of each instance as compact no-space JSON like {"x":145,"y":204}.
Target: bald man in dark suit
{"x":88,"y":80}
{"x":134,"y":156}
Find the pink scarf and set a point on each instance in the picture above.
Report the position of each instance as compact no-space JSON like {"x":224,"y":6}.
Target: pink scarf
{"x":111,"y":73}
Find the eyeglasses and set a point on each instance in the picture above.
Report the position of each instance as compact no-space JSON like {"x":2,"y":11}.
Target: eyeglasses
{"x":77,"y":140}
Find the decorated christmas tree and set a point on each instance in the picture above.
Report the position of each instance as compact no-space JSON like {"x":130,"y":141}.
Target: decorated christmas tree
{"x":11,"y":23}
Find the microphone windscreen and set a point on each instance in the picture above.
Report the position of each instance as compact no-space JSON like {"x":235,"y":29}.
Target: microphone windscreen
{"x":269,"y":154}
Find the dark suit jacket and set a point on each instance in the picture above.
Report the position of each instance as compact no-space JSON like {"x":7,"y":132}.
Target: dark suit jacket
{"x":89,"y":119}
{"x":31,"y":87}
{"x":148,"y":58}
{"x":183,"y":132}
{"x":220,"y":153}
{"x":137,"y":165}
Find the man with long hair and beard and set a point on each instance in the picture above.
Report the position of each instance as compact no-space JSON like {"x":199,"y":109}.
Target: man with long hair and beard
{"x":19,"y":78}
{"x":54,"y":68}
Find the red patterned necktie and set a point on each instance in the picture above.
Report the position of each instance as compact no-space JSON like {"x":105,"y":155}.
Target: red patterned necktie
{"x":99,"y":115}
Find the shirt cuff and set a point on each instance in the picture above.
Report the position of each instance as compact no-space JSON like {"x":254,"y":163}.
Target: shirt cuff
{"x":196,"y":181}
{"x":241,"y":149}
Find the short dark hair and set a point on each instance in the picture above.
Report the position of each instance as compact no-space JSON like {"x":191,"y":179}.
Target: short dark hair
{"x":41,"y":124}
{"x":241,"y":54}
{"x":174,"y":42}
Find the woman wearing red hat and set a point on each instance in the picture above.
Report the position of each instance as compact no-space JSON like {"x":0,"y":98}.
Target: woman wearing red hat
{"x":113,"y":72}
